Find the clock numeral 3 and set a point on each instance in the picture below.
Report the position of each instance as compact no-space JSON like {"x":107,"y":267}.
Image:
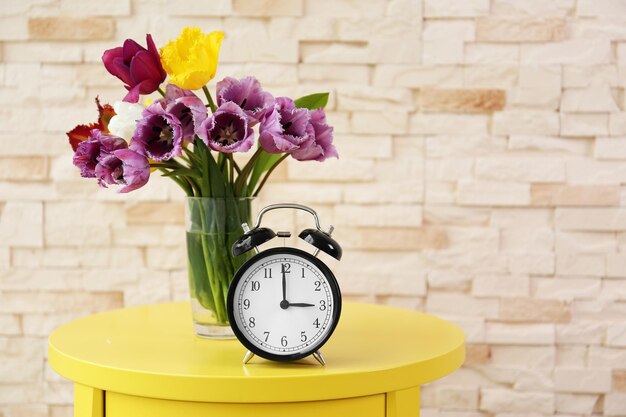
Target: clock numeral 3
{"x":246,"y":304}
{"x":316,"y":323}
{"x":318,"y":286}
{"x":268,"y":273}
{"x":303,"y":337}
{"x":256,"y":285}
{"x":322,"y":305}
{"x":251,"y":322}
{"x":267,"y":335}
{"x":283,"y":341}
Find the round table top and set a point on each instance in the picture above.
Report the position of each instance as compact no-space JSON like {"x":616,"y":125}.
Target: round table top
{"x":151,"y":351}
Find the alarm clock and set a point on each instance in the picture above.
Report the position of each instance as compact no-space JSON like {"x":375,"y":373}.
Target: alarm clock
{"x":284,"y":303}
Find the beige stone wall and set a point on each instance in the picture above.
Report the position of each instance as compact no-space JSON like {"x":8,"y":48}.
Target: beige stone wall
{"x":482,"y":178}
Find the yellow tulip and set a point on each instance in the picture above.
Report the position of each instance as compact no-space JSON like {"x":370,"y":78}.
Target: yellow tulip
{"x":191,"y":60}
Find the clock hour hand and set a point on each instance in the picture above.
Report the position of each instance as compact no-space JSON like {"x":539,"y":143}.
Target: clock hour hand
{"x":301,"y":305}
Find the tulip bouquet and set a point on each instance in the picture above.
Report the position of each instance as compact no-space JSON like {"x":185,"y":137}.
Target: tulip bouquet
{"x":192,"y":143}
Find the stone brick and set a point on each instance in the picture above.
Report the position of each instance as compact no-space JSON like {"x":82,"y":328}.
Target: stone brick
{"x":344,"y":8}
{"x":491,"y":76}
{"x":616,"y":265}
{"x":379,"y":122}
{"x":442,"y":52}
{"x":619,"y":380}
{"x":489,"y":29}
{"x":520,"y":334}
{"x":443,"y":29}
{"x":614,"y":404}
{"x":41,"y":52}
{"x":91,"y":223}
{"x":580,"y":265}
{"x":610,"y":148}
{"x":585,"y":171}
{"x":596,"y":99}
{"x":156,"y":213}
{"x":576,"y":403}
{"x":501,"y":286}
{"x":530,"y":357}
{"x":550,"y":144}
{"x":448,"y":124}
{"x":582,"y":380}
{"x":23,"y":168}
{"x":450,"y":8}
{"x":68,"y":28}
{"x":110,"y":8}
{"x":531,"y":263}
{"x":587,"y":76}
{"x":457,"y":397}
{"x":574,"y":195}
{"x":10,"y":325}
{"x":21,"y":224}
{"x":462,"y":304}
{"x":462,"y":101}
{"x":202,"y":8}
{"x":538,"y":86}
{"x":477,"y":354}
{"x":583,"y":124}
{"x":566,"y":288}
{"x":574,"y":52}
{"x":59,"y":302}
{"x":530,"y":310}
{"x":383,"y":192}
{"x":483,"y":193}
{"x":268,"y":8}
{"x":500,"y":400}
{"x":413,"y":76}
{"x":526,"y":122}
{"x":534,"y":7}
{"x":593,"y":219}
{"x":336,"y":73}
{"x":393,"y":239}
{"x":492,"y":54}
{"x":600,"y":8}
{"x":520,"y":169}
{"x":617,"y":124}
{"x":379,"y":216}
{"x":345,"y":169}
{"x":350,"y":98}
{"x":585,"y":242}
{"x":616,"y":335}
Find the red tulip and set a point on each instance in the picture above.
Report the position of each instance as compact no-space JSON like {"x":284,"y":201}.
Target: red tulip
{"x":139,"y":68}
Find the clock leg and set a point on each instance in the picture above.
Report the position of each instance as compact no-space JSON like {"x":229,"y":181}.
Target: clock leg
{"x":248,"y":357}
{"x":318,"y":356}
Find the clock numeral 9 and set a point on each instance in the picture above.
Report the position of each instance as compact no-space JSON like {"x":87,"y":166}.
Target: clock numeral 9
{"x":316,"y":323}
{"x":251,"y":322}
{"x":256,"y":285}
{"x":267,"y":335}
{"x":318,"y":286}
{"x":303,"y":337}
{"x":246,"y":304}
{"x":283,"y":341}
{"x":322,"y":305}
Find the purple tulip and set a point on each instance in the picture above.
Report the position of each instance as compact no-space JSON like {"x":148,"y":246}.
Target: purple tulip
{"x":123,"y":167}
{"x":139,"y":68}
{"x":322,"y":147}
{"x":286,"y":128}
{"x":247,"y":94}
{"x":227,"y":130}
{"x":89,"y":152}
{"x":187,"y":108}
{"x":159,"y":135}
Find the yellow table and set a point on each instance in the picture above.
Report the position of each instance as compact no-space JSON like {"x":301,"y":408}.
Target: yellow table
{"x":146,"y":362}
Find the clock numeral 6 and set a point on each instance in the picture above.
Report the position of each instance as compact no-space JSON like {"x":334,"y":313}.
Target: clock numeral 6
{"x":283,"y":341}
{"x":251,"y":322}
{"x":318,"y":286}
{"x":246,"y":304}
{"x":267,"y":335}
{"x":322,"y":305}
{"x":256,"y":285}
{"x":303,"y":337}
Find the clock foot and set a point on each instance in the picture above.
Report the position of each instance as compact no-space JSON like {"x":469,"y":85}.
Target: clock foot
{"x":318,"y":357}
{"x":249,"y":355}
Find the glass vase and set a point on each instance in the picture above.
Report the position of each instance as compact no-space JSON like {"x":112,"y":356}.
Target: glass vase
{"x":212,"y":226}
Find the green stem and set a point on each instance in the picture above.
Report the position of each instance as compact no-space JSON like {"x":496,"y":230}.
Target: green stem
{"x":269,"y":172}
{"x":247,"y":169}
{"x":209,"y":98}
{"x":161,"y":91}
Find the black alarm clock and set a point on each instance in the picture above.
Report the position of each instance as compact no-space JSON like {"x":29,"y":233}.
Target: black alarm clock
{"x":284,"y":303}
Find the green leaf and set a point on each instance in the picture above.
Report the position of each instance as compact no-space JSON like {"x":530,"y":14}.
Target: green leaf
{"x":263,"y":164}
{"x":313,"y":101}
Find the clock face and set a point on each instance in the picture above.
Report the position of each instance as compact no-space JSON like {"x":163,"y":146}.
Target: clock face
{"x":284,"y":304}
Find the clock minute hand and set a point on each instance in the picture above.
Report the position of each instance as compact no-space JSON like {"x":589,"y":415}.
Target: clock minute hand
{"x":301,"y":305}
{"x":284,"y":304}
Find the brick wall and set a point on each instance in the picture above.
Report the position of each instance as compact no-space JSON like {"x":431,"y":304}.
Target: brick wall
{"x":482,"y":179}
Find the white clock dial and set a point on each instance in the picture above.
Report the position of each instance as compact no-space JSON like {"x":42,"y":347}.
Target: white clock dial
{"x":283,"y":304}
